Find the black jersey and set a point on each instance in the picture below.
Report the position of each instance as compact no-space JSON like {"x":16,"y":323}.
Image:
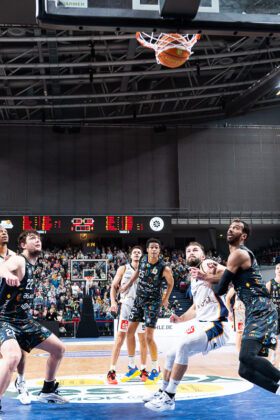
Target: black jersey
{"x":275,"y":294}
{"x":150,"y":279}
{"x":16,"y":301}
{"x":249,"y":284}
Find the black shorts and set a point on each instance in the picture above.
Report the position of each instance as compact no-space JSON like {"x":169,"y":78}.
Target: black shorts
{"x":146,"y":312}
{"x":261,"y":324}
{"x":27,"y":332}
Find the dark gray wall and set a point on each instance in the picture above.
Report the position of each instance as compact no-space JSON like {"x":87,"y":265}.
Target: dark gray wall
{"x":126,"y":170}
{"x":98,"y":170}
{"x":229,"y":169}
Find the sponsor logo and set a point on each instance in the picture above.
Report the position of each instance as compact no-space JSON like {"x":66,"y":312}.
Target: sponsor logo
{"x":190,"y":330}
{"x":156,"y":224}
{"x":94,"y":388}
{"x":124,"y":325}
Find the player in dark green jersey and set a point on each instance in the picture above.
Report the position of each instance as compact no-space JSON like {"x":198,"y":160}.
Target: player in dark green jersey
{"x":17,"y":328}
{"x":261,"y":321}
{"x":148,"y":302}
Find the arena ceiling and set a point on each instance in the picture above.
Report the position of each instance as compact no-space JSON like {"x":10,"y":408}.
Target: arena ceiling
{"x":79,"y":78}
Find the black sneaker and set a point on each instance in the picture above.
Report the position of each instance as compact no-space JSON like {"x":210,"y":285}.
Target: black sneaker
{"x":52,"y":397}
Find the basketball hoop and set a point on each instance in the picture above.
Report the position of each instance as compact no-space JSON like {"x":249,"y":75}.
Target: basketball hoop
{"x":172,"y":50}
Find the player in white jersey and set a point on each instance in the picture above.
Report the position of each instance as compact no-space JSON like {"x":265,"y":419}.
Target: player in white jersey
{"x":122,"y":277}
{"x":206,"y":329}
{"x":20,"y":384}
{"x":238,"y":316}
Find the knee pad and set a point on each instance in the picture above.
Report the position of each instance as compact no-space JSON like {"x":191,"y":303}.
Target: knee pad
{"x":169,"y":360}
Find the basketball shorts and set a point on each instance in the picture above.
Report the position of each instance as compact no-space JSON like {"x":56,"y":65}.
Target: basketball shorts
{"x":27,"y":332}
{"x":239,"y":320}
{"x":262,"y":324}
{"x":147,"y":312}
{"x":124,"y":313}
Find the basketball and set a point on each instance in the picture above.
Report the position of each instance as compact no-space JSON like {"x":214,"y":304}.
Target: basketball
{"x":174,"y":56}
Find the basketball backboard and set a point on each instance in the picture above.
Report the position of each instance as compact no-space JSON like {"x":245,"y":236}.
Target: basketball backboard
{"x":237,"y":17}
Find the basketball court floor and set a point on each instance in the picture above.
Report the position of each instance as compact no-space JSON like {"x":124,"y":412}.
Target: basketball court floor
{"x":211,"y":388}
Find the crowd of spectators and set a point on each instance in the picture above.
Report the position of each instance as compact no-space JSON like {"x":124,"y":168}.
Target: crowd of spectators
{"x":269,"y":255}
{"x":59,"y":292}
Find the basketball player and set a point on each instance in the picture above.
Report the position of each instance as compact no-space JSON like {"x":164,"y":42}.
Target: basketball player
{"x":260,"y":332}
{"x":148,"y":302}
{"x":207,"y":329}
{"x":17,"y":329}
{"x":273,"y":286}
{"x":123,"y":275}
{"x":238,"y":315}
{"x":20,"y":384}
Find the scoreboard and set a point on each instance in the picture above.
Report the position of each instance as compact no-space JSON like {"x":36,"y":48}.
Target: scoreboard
{"x":119,"y":225}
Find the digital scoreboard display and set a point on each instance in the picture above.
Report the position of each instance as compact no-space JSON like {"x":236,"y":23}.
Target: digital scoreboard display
{"x":119,"y":225}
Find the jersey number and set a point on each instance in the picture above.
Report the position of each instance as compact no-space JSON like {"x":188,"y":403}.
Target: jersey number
{"x":29,"y":285}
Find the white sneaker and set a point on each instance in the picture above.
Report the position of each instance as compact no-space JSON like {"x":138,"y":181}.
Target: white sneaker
{"x":162,"y":403}
{"x":153,"y":395}
{"x":52,"y":397}
{"x":23,"y":393}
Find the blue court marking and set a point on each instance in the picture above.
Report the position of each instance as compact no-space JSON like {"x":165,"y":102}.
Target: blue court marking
{"x":89,"y":353}
{"x":86,"y":340}
{"x":255,"y":404}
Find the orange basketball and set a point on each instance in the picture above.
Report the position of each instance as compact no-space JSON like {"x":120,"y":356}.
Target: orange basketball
{"x":172,"y":57}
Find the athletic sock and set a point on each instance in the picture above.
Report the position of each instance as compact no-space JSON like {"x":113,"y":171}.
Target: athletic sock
{"x":164,"y":385}
{"x":172,"y":387}
{"x":143,"y":367}
{"x":155,"y":364}
{"x":20,"y":378}
{"x":48,"y":386}
{"x":113,"y":367}
{"x":131,"y":361}
{"x":278,"y":391}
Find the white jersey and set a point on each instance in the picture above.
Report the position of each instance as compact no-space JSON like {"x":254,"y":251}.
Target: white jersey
{"x":131,"y":292}
{"x":2,"y":259}
{"x":209,"y":307}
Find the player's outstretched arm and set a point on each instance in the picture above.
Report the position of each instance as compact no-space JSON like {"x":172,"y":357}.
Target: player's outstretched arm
{"x":13,"y":270}
{"x":238,"y":259}
{"x":167,"y":274}
{"x":189,"y":314}
{"x":114,"y":288}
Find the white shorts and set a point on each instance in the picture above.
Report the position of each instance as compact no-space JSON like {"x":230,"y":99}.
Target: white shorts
{"x":125,"y":309}
{"x":209,"y":335}
{"x":239,"y":318}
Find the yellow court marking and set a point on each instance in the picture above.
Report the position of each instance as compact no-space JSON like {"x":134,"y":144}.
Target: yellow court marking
{"x":77,"y":382}
{"x":192,"y":388}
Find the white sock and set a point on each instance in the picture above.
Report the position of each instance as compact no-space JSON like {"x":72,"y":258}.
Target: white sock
{"x":113,"y":367}
{"x":20,"y":377}
{"x":131,"y":361}
{"x":164,"y":385}
{"x":143,"y":367}
{"x":278,"y":383}
{"x":278,"y":391}
{"x":155,"y":364}
{"x":172,"y":386}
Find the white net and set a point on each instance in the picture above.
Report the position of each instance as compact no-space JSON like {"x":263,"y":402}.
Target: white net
{"x":165,"y":41}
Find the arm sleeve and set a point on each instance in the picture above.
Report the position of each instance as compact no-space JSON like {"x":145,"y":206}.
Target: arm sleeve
{"x":222,"y":287}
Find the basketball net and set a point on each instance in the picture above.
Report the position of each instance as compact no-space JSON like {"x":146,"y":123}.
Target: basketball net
{"x":89,"y":280}
{"x":165,"y":41}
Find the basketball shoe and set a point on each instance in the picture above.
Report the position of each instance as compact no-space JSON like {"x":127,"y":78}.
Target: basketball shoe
{"x":52,"y":397}
{"x":23,"y":393}
{"x":152,"y":395}
{"x":144,"y":375}
{"x":111,"y":377}
{"x":132,"y":373}
{"x":154,"y":377}
{"x":161,"y":403}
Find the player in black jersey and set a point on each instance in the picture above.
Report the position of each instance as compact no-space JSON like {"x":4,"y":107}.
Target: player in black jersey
{"x":261,"y":321}
{"x":17,"y":328}
{"x":273,"y":286}
{"x":151,"y":270}
{"x":20,"y":384}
